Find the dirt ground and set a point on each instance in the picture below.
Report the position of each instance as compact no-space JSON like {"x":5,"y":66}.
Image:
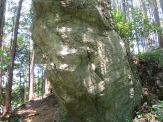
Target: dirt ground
{"x":38,"y":110}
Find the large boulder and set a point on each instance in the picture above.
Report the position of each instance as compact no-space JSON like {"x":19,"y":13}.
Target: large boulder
{"x":85,"y":61}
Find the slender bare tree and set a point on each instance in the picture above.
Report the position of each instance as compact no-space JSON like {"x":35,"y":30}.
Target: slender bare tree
{"x":144,"y":8}
{"x":2,"y":20}
{"x":161,"y":5}
{"x":31,"y":87}
{"x":157,"y":21}
{"x":124,"y":9}
{"x":7,"y":100}
{"x":46,"y":84}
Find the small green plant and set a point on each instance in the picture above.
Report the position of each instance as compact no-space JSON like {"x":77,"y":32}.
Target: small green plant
{"x":14,"y":117}
{"x":155,"y":114}
{"x":157,"y":110}
{"x":123,"y":28}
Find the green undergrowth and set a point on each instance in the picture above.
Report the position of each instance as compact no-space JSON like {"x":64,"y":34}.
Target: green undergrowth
{"x":155,"y":55}
{"x":150,"y":69}
{"x":14,"y":117}
{"x":155,"y":113}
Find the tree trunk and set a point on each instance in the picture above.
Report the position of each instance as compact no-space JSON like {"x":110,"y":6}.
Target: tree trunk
{"x":144,"y":8}
{"x":124,"y":9}
{"x":145,"y":39}
{"x":157,"y":21}
{"x":38,"y":82}
{"x":25,"y":90}
{"x":1,"y":83}
{"x":31,"y":87}
{"x":2,"y":18}
{"x":7,"y":100}
{"x":26,"y":78}
{"x":1,"y":71}
{"x":161,"y":5}
{"x":2,"y":21}
{"x":46,"y":86}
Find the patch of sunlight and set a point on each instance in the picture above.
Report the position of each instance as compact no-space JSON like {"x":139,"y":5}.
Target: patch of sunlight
{"x":28,"y":112}
{"x":100,"y":51}
{"x":87,"y":82}
{"x":67,"y":67}
{"x":52,"y":65}
{"x":122,"y":44}
{"x":64,"y":29}
{"x":57,"y":17}
{"x":86,"y":38}
{"x":131,"y":92}
{"x":90,"y":30}
{"x":44,"y":65}
{"x":92,"y":89}
{"x":63,"y":66}
{"x":99,"y":8}
{"x":97,"y":88}
{"x":66,"y":51}
{"x":44,"y":55}
{"x":103,"y":67}
{"x":93,"y":67}
{"x":42,"y":26}
{"x":101,"y":86}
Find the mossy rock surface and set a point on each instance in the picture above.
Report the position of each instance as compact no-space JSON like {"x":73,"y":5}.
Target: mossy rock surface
{"x":85,"y":60}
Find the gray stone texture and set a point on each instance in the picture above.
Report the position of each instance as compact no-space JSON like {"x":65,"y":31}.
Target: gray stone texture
{"x":85,"y":61}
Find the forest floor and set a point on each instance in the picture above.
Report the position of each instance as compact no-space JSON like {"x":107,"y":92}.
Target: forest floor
{"x":37,"y":110}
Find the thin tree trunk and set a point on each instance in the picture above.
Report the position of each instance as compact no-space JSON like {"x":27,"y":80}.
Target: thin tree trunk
{"x":28,"y":63}
{"x":157,"y":21}
{"x":145,"y":16}
{"x":161,"y":5}
{"x":144,"y":8}
{"x":25,"y":88}
{"x":26,"y":76}
{"x":1,"y":72}
{"x":42,"y":77}
{"x":38,"y":80}
{"x":1,"y":83}
{"x":46,"y":91}
{"x":124,"y":10}
{"x":31,"y":88}
{"x":7,"y":100}
{"x":2,"y":20}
